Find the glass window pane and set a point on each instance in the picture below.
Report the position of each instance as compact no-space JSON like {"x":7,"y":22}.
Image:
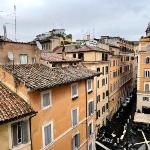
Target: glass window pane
{"x":46,"y":99}
{"x":47,"y":132}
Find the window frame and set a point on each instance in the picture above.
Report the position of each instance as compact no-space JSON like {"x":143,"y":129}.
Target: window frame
{"x":77,"y":108}
{"x":148,"y":83}
{"x":11,"y":133}
{"x":90,"y":122}
{"x":43,"y":134}
{"x":90,"y":101}
{"x":77,"y":95}
{"x":91,"y":89}
{"x":50,"y":96}
{"x":23,"y":55}
{"x":77,"y":133}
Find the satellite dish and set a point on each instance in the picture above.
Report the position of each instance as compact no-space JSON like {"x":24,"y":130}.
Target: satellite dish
{"x":39,"y":45}
{"x":10,"y":56}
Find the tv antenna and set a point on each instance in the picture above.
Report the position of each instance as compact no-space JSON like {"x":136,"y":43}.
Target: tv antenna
{"x":15,"y":21}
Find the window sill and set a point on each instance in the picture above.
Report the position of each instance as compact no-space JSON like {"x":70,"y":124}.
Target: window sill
{"x":44,"y":108}
{"x":90,"y":91}
{"x":46,"y":147}
{"x":75,"y":97}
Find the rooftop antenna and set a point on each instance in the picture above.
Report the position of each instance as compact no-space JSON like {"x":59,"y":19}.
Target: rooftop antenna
{"x":15,"y":21}
{"x":5,"y":31}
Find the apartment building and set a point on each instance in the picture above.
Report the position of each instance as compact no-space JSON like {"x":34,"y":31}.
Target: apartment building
{"x":143,"y":80}
{"x":18,"y":52}
{"x":96,"y":59}
{"x":64,"y":100}
{"x":53,"y":38}
{"x":58,"y":60}
{"x":121,"y":78}
{"x":15,"y":120}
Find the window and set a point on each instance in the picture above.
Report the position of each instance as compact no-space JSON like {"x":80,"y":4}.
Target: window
{"x":98,"y":84}
{"x":103,"y":109}
{"x":103,"y":82}
{"x":23,"y":59}
{"x":98,"y":114}
{"x":19,"y":133}
{"x":104,"y":57}
{"x":103,"y":95}
{"x":106,"y":69}
{"x":76,"y":141}
{"x":81,"y":56}
{"x":106,"y":106}
{"x":98,"y":70}
{"x":75,"y":117}
{"x":74,"y":55}
{"x":90,"y":128}
{"x":90,"y":107}
{"x":74,"y":90}
{"x":98,"y":98}
{"x":147,"y":73}
{"x":107,"y":93}
{"x":47,"y":134}
{"x":145,"y":98}
{"x":46,"y":99}
{"x":103,"y":70}
{"x":89,"y":85}
{"x":106,"y":80}
{"x":147,"y":60}
{"x":114,"y":63}
{"x":147,"y":87}
{"x":33,"y":60}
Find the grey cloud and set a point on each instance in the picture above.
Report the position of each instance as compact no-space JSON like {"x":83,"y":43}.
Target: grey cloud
{"x":123,"y":18}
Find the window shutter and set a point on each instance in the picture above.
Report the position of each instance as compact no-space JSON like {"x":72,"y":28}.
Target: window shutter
{"x":93,"y":107}
{"x":25,"y":131}
{"x":146,"y":87}
{"x":88,"y":108}
{"x":74,"y":116}
{"x":14,"y":132}
{"x":78,"y":140}
{"x":46,"y":99}
{"x":47,"y":132}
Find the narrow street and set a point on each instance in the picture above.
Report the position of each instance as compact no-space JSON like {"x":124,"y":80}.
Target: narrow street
{"x":115,"y":135}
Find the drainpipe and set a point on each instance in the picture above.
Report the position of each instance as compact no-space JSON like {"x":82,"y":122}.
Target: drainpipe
{"x":31,"y":130}
{"x":86,"y":112}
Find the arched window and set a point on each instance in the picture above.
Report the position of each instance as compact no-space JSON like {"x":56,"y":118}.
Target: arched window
{"x":147,"y":60}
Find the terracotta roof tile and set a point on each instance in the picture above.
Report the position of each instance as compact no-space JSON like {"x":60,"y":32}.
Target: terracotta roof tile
{"x":53,"y":57}
{"x":39,"y":76}
{"x":12,"y":106}
{"x":85,"y":48}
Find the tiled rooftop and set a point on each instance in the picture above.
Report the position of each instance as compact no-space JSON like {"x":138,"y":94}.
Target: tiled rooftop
{"x":39,"y":76}
{"x":85,"y":48}
{"x":12,"y":107}
{"x":53,"y":57}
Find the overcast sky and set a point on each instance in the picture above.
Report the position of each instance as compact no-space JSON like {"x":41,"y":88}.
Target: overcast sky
{"x":124,"y":18}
